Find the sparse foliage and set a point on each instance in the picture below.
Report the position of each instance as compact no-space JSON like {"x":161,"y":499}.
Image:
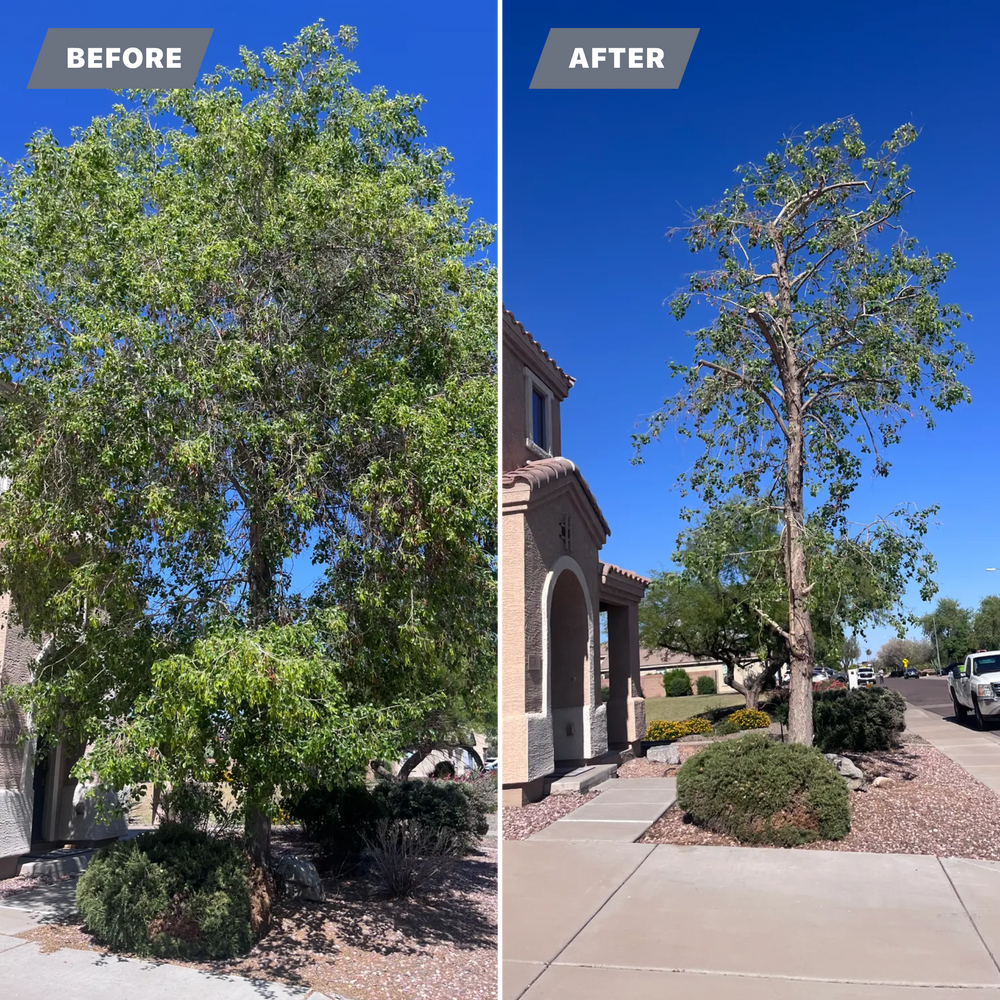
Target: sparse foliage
{"x":823,"y":335}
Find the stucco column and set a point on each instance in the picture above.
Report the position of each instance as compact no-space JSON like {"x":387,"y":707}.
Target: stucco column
{"x":619,"y":674}
{"x":629,"y":640}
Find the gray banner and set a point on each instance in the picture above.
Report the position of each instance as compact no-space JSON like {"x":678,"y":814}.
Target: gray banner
{"x":119,"y":58}
{"x":614,"y":59}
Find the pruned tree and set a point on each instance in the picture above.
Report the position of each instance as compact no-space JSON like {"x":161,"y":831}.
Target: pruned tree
{"x":242,"y":325}
{"x":824,"y":335}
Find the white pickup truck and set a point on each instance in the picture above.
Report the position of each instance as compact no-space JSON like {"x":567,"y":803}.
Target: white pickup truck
{"x":975,"y":686}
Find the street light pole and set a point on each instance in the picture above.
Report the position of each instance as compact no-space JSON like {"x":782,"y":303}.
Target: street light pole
{"x":937,"y":646}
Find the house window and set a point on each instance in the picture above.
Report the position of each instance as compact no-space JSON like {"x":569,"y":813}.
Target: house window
{"x":539,"y":420}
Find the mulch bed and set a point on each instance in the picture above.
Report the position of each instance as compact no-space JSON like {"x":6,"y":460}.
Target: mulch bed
{"x":520,"y":822}
{"x":438,"y":945}
{"x":931,"y":806}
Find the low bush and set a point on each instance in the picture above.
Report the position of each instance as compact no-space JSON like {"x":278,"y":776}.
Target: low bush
{"x":747,"y":718}
{"x":861,"y":720}
{"x":403,"y":855}
{"x":344,"y":817}
{"x":660,"y":729}
{"x":705,"y":684}
{"x":829,"y":685}
{"x":764,"y":792}
{"x":676,"y":683}
{"x":174,"y":893}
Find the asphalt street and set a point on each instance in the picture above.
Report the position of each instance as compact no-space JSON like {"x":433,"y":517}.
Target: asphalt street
{"x":931,"y":694}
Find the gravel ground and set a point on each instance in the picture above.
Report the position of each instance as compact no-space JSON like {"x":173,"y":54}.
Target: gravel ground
{"x":21,"y":883}
{"x":520,"y":822}
{"x":931,"y":806}
{"x":439,"y":945}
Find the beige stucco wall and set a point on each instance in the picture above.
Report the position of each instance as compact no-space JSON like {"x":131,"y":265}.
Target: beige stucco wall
{"x":17,"y":654}
{"x":517,"y":354}
{"x":534,"y":557}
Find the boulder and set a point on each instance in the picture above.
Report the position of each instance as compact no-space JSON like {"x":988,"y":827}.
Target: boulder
{"x":299,"y":878}
{"x":669,"y":754}
{"x":848,"y":770}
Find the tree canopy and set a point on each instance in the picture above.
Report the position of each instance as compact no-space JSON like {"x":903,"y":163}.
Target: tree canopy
{"x":949,"y":628}
{"x":729,"y":602}
{"x":824,"y":333}
{"x":986,"y":623}
{"x":242,"y":327}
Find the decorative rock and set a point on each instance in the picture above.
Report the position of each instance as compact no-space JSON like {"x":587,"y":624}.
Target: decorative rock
{"x":669,"y":754}
{"x":299,"y":878}
{"x":848,"y":770}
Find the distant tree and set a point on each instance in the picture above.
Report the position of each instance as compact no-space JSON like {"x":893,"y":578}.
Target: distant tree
{"x":949,"y":628}
{"x":732,"y":583}
{"x":892,"y":653}
{"x":850,"y":651}
{"x":986,"y":624}
{"x":825,"y":338}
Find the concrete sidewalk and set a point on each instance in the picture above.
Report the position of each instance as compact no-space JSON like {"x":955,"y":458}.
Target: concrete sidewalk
{"x":28,"y":974}
{"x":622,"y":813}
{"x":592,"y":920}
{"x":977,"y":752}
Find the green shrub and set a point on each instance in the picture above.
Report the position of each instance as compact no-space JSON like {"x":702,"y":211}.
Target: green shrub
{"x":676,"y":683}
{"x":172,"y":893}
{"x":344,"y":817}
{"x":483,"y":790}
{"x":660,"y":729}
{"x":748,"y":718}
{"x":764,"y":792}
{"x":705,"y":684}
{"x":861,"y":720}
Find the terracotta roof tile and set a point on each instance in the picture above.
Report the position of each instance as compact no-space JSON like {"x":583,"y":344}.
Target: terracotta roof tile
{"x":549,"y":470}
{"x":607,"y":568}
{"x":567,"y":379}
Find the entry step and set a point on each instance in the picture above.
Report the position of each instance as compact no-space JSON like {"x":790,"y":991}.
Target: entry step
{"x":582,"y":779}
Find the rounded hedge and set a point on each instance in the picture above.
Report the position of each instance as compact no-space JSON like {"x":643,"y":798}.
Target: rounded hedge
{"x":764,"y":792}
{"x":676,"y":683}
{"x":705,"y":684}
{"x":171,"y":893}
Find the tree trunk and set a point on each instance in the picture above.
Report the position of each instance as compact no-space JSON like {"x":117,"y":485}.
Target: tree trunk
{"x":261,"y":592}
{"x":257,"y":828}
{"x":801,"y":645}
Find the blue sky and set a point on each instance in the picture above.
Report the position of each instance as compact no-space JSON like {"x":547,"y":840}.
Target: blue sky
{"x":593,"y":179}
{"x":448,"y":54}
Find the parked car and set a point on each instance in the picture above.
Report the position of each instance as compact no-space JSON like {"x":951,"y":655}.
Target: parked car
{"x":866,"y":677}
{"x":896,"y":673}
{"x":911,"y":672}
{"x":490,"y":764}
{"x":975,"y":687}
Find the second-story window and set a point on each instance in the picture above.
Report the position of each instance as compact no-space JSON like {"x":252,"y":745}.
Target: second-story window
{"x":539,"y":420}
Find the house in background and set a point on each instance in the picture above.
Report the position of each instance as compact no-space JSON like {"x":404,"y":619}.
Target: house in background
{"x":555,"y":588}
{"x":41,"y":806}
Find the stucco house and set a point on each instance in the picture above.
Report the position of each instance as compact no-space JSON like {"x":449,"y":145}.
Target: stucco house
{"x":40,"y":804}
{"x":555,"y":589}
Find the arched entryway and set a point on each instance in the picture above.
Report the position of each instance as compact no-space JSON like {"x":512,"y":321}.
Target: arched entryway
{"x":569,"y":635}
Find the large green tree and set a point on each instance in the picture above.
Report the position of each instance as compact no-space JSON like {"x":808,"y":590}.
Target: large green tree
{"x":986,"y":623}
{"x":824,"y":333}
{"x":949,"y":629}
{"x":244,"y":326}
